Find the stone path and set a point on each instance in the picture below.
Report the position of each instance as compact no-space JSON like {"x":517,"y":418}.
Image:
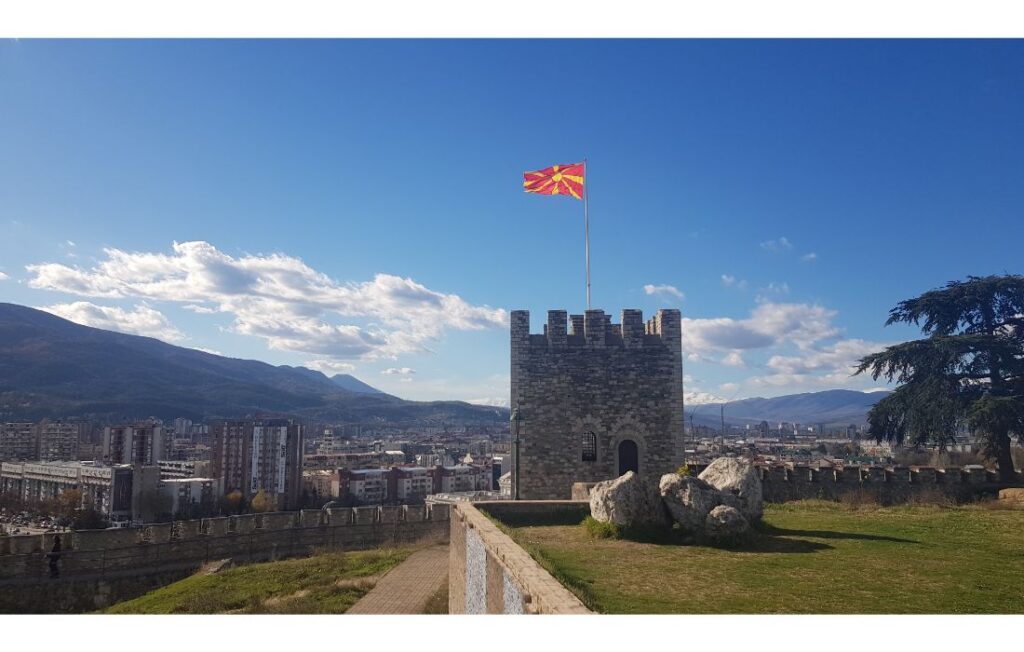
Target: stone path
{"x":407,"y":587}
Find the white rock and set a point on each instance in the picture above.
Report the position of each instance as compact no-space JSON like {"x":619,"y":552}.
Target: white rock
{"x":724,"y":523}
{"x":627,"y":501}
{"x":740,"y":478}
{"x":688,"y":500}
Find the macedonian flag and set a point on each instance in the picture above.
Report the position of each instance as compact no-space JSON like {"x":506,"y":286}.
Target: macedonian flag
{"x":556,"y":180}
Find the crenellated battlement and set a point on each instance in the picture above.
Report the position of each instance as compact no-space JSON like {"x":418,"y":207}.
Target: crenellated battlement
{"x":95,"y":568}
{"x":889,"y":484}
{"x":594,"y":329}
{"x":593,"y":398}
{"x":202,"y":529}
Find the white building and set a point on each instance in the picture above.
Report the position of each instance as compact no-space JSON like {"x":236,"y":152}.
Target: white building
{"x":18,"y":441}
{"x":108,"y":489}
{"x":136,"y":444}
{"x":365,"y":485}
{"x":58,"y":440}
{"x":413,"y":483}
{"x":190,"y":496}
{"x":184,"y":469}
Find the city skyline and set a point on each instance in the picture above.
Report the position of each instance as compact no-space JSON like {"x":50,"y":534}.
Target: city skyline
{"x":356,"y":207}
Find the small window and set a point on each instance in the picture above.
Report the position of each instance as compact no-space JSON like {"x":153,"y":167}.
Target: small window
{"x":589,"y":447}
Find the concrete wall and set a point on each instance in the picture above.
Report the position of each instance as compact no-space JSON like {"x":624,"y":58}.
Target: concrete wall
{"x":488,"y":573}
{"x":619,"y":381}
{"x":99,"y":567}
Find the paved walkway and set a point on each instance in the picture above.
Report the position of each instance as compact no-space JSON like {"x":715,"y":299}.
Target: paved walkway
{"x":407,"y":587}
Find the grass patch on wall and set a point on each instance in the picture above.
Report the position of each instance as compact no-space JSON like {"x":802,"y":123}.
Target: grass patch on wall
{"x":326,"y":583}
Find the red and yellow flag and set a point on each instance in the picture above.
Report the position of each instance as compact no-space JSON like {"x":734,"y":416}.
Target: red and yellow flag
{"x":556,"y":180}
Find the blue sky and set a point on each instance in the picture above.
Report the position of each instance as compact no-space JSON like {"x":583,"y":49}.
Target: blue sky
{"x":356,"y":205}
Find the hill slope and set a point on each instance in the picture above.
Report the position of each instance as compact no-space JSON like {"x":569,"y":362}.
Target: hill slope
{"x":831,"y":407}
{"x":53,"y":367}
{"x":353,"y":384}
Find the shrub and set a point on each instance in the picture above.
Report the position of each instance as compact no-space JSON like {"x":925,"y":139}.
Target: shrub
{"x":859,"y":499}
{"x":638,"y":533}
{"x":601,"y":530}
{"x":930,"y":497}
{"x":261,"y":502}
{"x":995,"y":504}
{"x":683,"y":470}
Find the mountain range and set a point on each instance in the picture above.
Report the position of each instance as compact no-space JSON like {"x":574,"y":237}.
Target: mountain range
{"x":51,"y":367}
{"x":834,"y":407}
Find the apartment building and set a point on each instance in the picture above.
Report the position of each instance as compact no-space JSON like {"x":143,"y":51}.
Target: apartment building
{"x":260,"y":455}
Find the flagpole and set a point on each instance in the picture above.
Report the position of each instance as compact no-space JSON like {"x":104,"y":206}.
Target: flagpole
{"x":586,"y":225}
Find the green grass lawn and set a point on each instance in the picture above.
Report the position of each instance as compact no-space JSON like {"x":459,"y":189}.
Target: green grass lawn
{"x":328,"y":583}
{"x":810,"y":557}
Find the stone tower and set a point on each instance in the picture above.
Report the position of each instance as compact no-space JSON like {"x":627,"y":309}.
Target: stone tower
{"x":596,"y":401}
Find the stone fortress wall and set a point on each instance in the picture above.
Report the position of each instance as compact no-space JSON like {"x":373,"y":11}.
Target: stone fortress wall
{"x":99,"y":567}
{"x":621,"y":382}
{"x":887,"y":485}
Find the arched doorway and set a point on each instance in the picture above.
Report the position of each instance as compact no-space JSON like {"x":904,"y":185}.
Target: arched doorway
{"x":629,"y":459}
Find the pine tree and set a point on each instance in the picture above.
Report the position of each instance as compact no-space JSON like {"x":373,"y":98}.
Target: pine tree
{"x":969,"y":370}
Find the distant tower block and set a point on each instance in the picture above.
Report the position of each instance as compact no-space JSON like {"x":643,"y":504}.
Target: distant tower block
{"x":597,"y":401}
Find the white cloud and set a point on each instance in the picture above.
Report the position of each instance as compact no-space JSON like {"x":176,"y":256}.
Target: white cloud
{"x":491,"y":401}
{"x":701,"y":398}
{"x":811,"y":257}
{"x":841,"y":355}
{"x":198,"y":309}
{"x":206,"y":350}
{"x":280,"y":299}
{"x":825,"y":366}
{"x":402,"y":371}
{"x":777,"y":288}
{"x":768,"y":324}
{"x":733,"y":359}
{"x":729,"y":281}
{"x":663,"y":290}
{"x":729,"y":388}
{"x":779,"y":245}
{"x":4,"y":277}
{"x":722,"y":333}
{"x":800,"y":323}
{"x":141,"y":320}
{"x":68,"y":247}
{"x":804,"y":347}
{"x":330,"y":367}
{"x":457,"y":388}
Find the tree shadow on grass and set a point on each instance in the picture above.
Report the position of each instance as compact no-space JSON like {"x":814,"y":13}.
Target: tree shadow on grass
{"x":755,"y":541}
{"x":760,"y":543}
{"x":771,"y":530}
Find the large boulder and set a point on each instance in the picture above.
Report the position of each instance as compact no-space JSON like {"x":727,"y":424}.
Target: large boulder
{"x":725,"y":524}
{"x":688,"y":500}
{"x":739,"y":477}
{"x":627,"y":501}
